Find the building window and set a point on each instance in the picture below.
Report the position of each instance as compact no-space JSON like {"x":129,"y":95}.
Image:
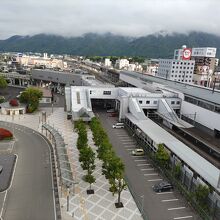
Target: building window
{"x":140,"y":101}
{"x":177,"y":102}
{"x":106,"y":92}
{"x":90,"y":92}
{"x":155,"y":102}
{"x":147,"y":102}
{"x":172,"y":102}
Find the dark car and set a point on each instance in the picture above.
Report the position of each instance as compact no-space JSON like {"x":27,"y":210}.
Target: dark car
{"x":162,"y":187}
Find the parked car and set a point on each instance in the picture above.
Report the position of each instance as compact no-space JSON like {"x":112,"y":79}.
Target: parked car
{"x":162,"y":187}
{"x":138,"y":152}
{"x":118,"y":125}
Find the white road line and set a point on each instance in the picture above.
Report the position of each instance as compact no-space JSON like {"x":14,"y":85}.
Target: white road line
{"x":184,"y":217}
{"x":164,"y":193}
{"x":143,"y":169}
{"x":170,"y":209}
{"x":150,"y":174}
{"x":129,"y":146}
{"x":143,"y":164}
{"x":169,"y":200}
{"x":155,"y":180}
{"x":126,"y":142}
{"x":140,"y":160}
{"x":147,"y":169}
{"x":130,"y":149}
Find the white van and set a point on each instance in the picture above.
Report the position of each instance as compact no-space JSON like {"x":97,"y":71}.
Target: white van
{"x":118,"y":125}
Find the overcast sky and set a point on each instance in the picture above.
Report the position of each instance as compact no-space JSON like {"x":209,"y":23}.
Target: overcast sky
{"x":124,"y":17}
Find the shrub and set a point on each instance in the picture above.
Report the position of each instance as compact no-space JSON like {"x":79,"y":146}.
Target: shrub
{"x":2,"y":99}
{"x":13,"y":102}
{"x":5,"y":134}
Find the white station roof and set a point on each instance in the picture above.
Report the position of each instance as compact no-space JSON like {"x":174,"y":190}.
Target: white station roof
{"x":203,"y":167}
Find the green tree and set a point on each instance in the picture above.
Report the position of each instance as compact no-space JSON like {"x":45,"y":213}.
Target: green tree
{"x":114,"y":171}
{"x":31,"y":97}
{"x":87,"y":160}
{"x":162,"y":155}
{"x":201,"y":195}
{"x":3,"y":83}
{"x":177,"y":170}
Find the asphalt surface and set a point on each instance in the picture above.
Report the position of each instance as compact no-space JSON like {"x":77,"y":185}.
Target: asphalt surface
{"x":10,"y":92}
{"x":7,"y":161}
{"x":30,"y":196}
{"x":142,"y":176}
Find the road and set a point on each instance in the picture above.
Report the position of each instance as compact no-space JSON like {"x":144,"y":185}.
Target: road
{"x":142,"y":176}
{"x":31,"y":193}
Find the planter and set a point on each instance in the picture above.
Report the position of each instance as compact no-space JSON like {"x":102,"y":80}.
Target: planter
{"x":119,"y":205}
{"x":90,"y":191}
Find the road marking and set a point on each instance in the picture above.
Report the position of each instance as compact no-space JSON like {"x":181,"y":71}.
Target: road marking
{"x":170,"y":209}
{"x":164,"y":193}
{"x":143,"y":164}
{"x":147,"y":169}
{"x":169,"y":200}
{"x":184,"y":217}
{"x":150,"y":174}
{"x":130,"y":149}
{"x":129,"y":146}
{"x":125,"y":142}
{"x":155,"y":180}
{"x":140,"y":160}
{"x":122,"y":135}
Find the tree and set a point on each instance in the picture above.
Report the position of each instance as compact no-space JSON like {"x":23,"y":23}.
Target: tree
{"x":87,"y":160}
{"x":201,"y":195}
{"x":162,"y":155}
{"x":114,"y":172}
{"x":177,"y":170}
{"x":3,"y":83}
{"x":31,"y":97}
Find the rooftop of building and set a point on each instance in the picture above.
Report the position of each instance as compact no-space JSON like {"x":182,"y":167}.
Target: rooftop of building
{"x":197,"y":91}
{"x":160,"y":136}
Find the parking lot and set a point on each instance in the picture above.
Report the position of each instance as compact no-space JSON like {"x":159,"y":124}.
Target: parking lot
{"x":142,"y":176}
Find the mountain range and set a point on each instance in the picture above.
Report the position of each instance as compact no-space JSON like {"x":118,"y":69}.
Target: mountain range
{"x":151,"y":46}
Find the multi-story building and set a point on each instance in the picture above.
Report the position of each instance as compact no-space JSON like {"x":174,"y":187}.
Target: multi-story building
{"x":176,"y":70}
{"x":204,"y":60}
{"x":122,"y":63}
{"x":108,"y":62}
{"x":204,"y":65}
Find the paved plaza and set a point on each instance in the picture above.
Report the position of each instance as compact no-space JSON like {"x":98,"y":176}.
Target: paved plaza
{"x":98,"y":206}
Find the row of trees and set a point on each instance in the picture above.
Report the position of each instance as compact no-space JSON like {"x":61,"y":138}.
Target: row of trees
{"x":112,"y":167}
{"x":86,"y":154}
{"x":135,"y":59}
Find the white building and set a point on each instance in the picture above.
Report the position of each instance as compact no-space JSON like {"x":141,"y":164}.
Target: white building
{"x":122,"y":63}
{"x":176,"y":70}
{"x":108,"y":62}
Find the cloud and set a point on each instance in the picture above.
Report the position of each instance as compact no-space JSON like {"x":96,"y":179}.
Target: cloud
{"x":124,"y":17}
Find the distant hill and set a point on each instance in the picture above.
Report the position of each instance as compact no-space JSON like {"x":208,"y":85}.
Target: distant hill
{"x":152,"y":46}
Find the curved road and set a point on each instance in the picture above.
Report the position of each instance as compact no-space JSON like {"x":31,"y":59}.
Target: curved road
{"x":31,"y":193}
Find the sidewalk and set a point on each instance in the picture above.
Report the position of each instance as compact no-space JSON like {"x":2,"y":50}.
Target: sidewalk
{"x":100,"y":205}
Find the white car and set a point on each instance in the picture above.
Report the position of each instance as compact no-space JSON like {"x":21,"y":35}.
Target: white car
{"x":138,"y":152}
{"x":118,"y":125}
